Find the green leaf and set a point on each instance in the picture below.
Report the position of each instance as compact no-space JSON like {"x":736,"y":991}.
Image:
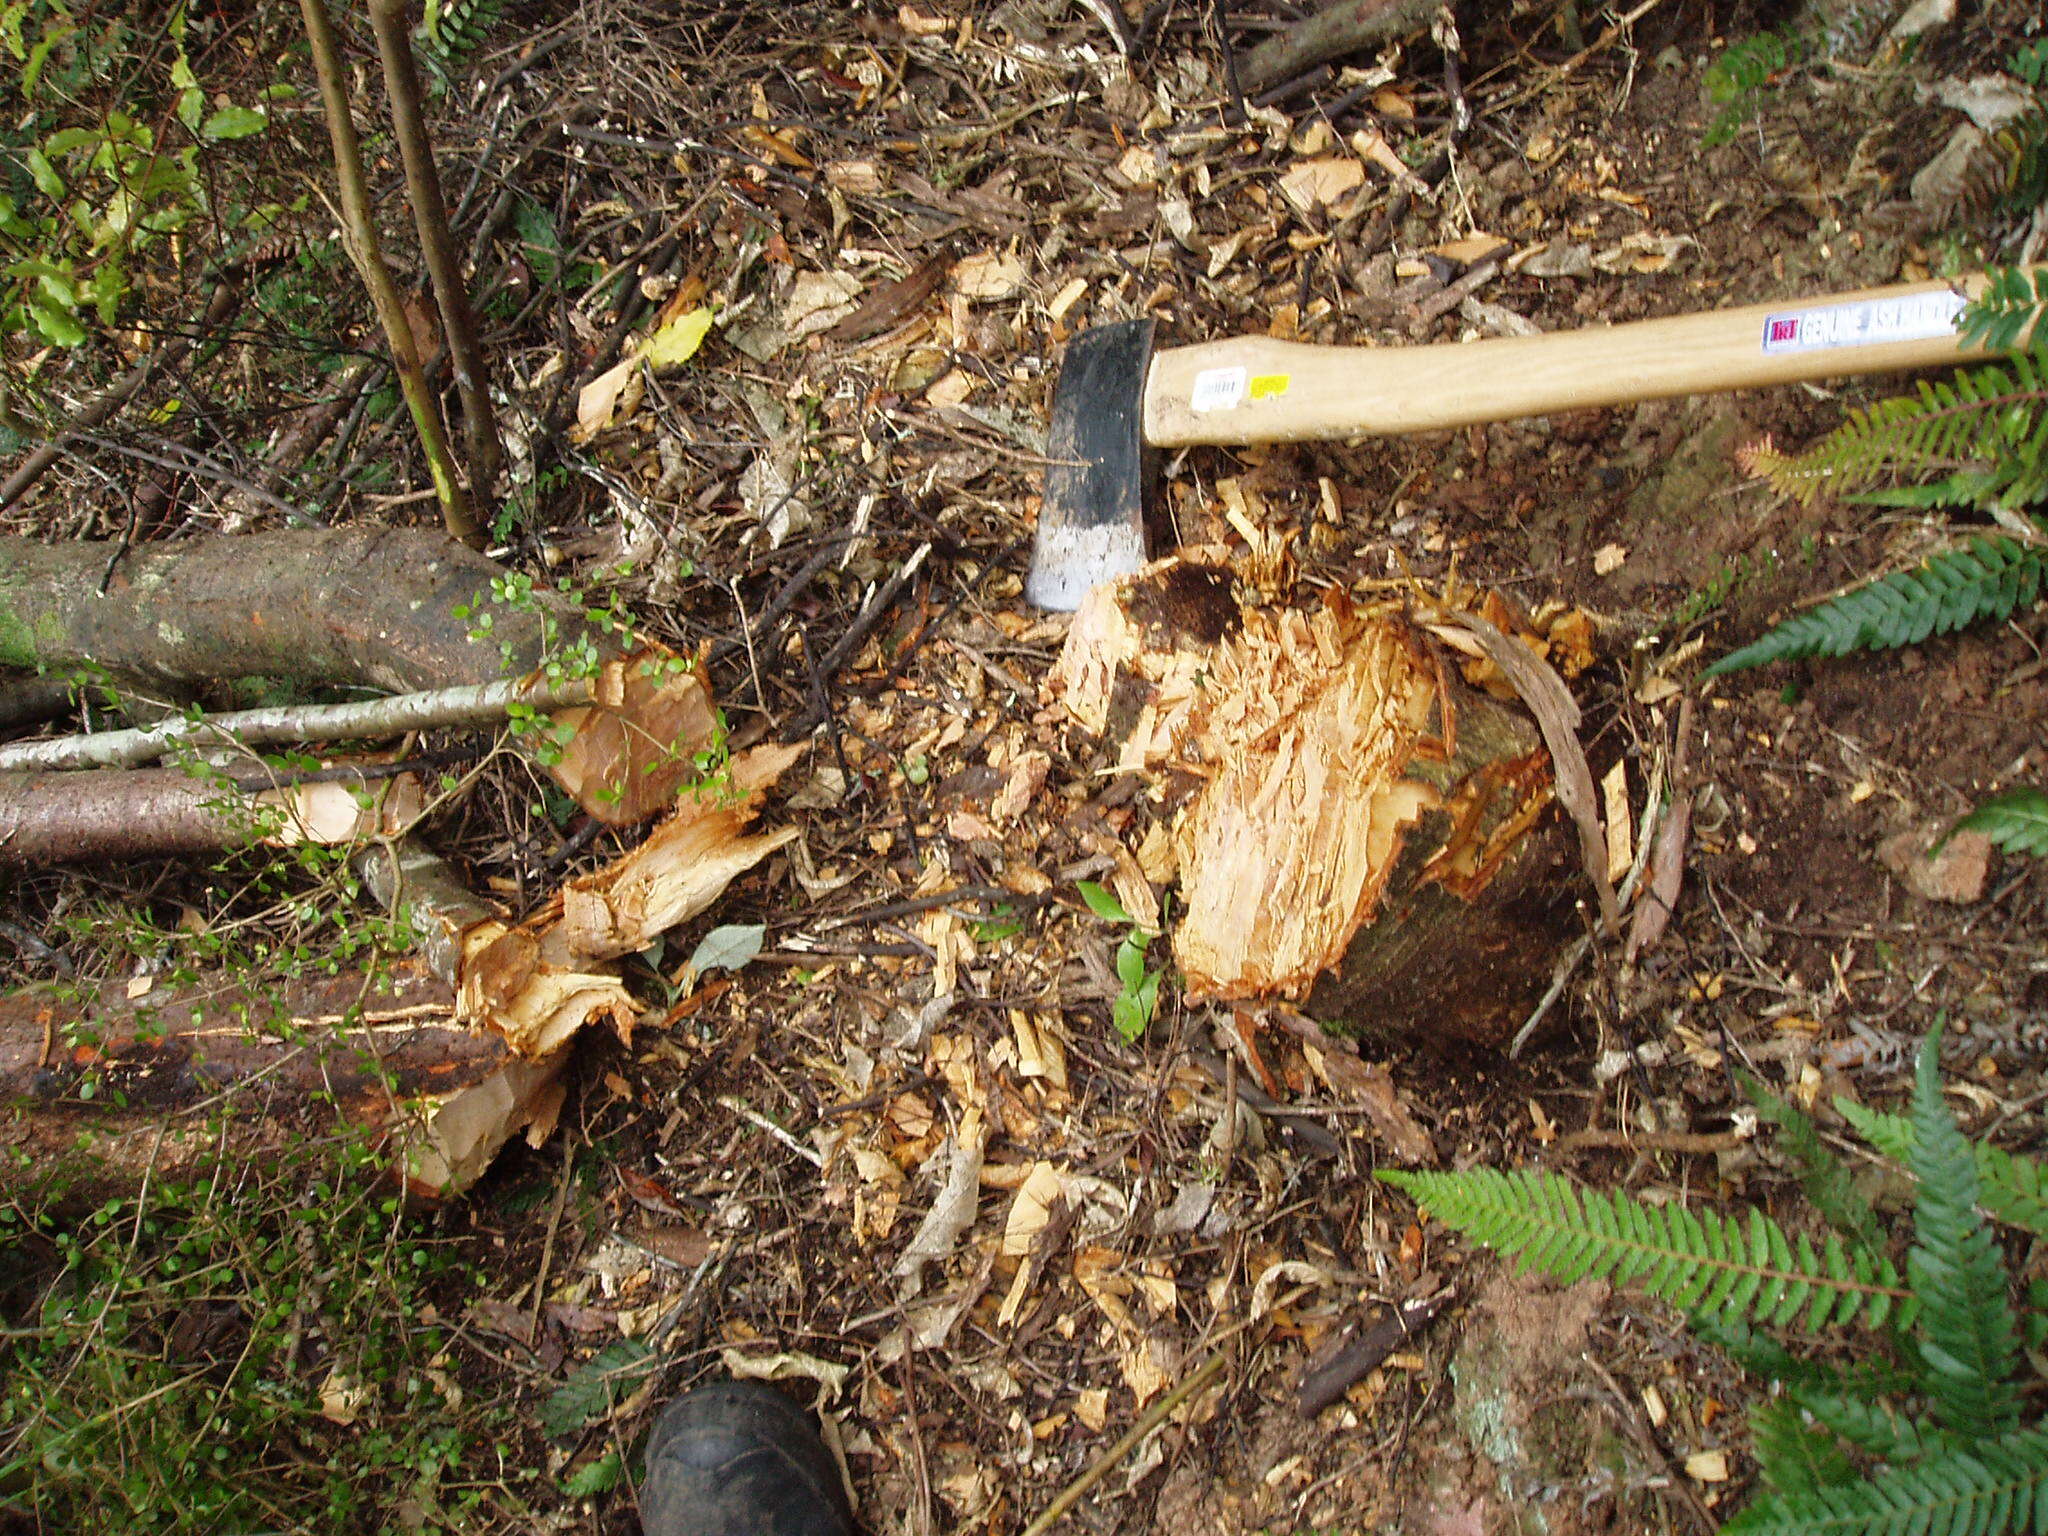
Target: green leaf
{"x":594,"y":1387}
{"x":1104,"y":905}
{"x":1967,"y":1334}
{"x":728,"y":948}
{"x":234,"y":123}
{"x":47,"y":181}
{"x":2016,"y":821}
{"x":55,"y":322}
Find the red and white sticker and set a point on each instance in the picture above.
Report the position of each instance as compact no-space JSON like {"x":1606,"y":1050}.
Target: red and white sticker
{"x":1865,"y":323}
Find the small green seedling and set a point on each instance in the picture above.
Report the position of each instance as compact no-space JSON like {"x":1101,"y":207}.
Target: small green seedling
{"x":1139,"y":1001}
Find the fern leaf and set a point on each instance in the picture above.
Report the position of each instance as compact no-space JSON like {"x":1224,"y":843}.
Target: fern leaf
{"x":1822,"y":1175}
{"x":1968,"y":1338}
{"x":2013,"y":1189}
{"x":2016,"y":821}
{"x":1995,"y":1485}
{"x":1991,"y":579}
{"x":1700,"y":1261}
{"x":1793,"y":1456}
{"x":1762,"y":1355}
{"x":1869,"y":1425}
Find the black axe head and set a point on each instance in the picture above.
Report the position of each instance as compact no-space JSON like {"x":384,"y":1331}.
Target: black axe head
{"x":1091,"y":526}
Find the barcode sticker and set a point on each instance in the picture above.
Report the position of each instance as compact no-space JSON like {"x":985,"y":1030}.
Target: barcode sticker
{"x":1867,"y":322}
{"x":1219,"y":389}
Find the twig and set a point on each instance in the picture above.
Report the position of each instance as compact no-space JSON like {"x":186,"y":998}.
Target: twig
{"x":1106,"y":1463}
{"x":547,"y":1247}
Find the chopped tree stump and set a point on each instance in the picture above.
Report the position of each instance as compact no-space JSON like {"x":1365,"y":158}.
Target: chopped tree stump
{"x":1352,"y":824}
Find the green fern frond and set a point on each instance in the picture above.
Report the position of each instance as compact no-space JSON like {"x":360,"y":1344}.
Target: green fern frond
{"x":1978,"y":424}
{"x":2011,"y":1188}
{"x":1869,"y":1424}
{"x":1868,"y":1379}
{"x":1995,"y":1485}
{"x":2016,"y":821}
{"x":1793,"y":1456}
{"x":2031,"y":62}
{"x":1823,"y":1176}
{"x":450,"y":30}
{"x":1993,"y":578}
{"x":1702,"y":1261}
{"x":1968,"y":1338}
{"x":2004,"y":316}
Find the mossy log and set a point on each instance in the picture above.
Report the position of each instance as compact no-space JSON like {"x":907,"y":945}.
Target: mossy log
{"x":1353,"y":826}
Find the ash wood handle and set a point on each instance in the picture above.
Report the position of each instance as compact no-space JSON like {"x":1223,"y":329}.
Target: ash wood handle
{"x":1252,"y":389}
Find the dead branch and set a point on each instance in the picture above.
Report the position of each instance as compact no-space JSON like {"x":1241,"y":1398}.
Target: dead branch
{"x":1331,"y":33}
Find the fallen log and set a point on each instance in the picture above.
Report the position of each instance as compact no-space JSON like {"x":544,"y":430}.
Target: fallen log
{"x":1354,"y":823}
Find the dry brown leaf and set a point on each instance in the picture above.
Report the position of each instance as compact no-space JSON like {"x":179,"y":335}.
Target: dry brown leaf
{"x":1315,"y":183}
{"x":1608,"y":559}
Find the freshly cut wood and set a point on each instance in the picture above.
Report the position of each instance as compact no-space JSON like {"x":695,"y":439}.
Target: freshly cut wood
{"x":1352,"y":823}
{"x":682,"y":867}
{"x":451,"y":1055}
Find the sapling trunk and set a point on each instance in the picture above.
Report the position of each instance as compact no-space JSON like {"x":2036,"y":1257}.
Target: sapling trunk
{"x":360,"y":228}
{"x":437,"y":245}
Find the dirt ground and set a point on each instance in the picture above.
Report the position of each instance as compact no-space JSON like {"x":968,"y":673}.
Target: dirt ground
{"x":739,"y":1185}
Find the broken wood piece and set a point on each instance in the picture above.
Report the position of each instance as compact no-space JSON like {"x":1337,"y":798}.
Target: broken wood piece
{"x":1353,"y":823}
{"x":682,"y":867}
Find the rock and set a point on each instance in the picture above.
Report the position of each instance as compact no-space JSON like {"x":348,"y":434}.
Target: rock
{"x":1955,"y":873}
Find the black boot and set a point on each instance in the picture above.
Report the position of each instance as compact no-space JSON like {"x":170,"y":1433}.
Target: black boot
{"x":737,"y":1458}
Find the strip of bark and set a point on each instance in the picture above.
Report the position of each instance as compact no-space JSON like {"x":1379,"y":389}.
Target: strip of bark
{"x":1330,"y":34}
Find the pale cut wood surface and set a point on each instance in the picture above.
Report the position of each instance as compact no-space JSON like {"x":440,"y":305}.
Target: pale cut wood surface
{"x":1340,"y":392}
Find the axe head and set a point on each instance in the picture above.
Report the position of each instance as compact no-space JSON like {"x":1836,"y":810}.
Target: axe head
{"x":1091,"y":525}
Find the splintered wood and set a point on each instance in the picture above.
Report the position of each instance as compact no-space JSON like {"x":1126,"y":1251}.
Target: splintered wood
{"x":1318,"y":798}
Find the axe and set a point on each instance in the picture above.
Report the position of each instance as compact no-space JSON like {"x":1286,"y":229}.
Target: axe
{"x":1119,"y":396}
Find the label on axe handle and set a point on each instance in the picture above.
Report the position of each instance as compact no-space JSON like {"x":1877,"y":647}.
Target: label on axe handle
{"x":1916,"y":317}
{"x":1225,"y":389}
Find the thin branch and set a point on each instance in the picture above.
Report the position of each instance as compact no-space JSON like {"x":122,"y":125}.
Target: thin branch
{"x":368,"y":720}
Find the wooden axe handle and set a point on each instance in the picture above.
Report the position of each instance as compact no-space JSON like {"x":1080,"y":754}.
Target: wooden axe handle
{"x":1252,"y":389}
